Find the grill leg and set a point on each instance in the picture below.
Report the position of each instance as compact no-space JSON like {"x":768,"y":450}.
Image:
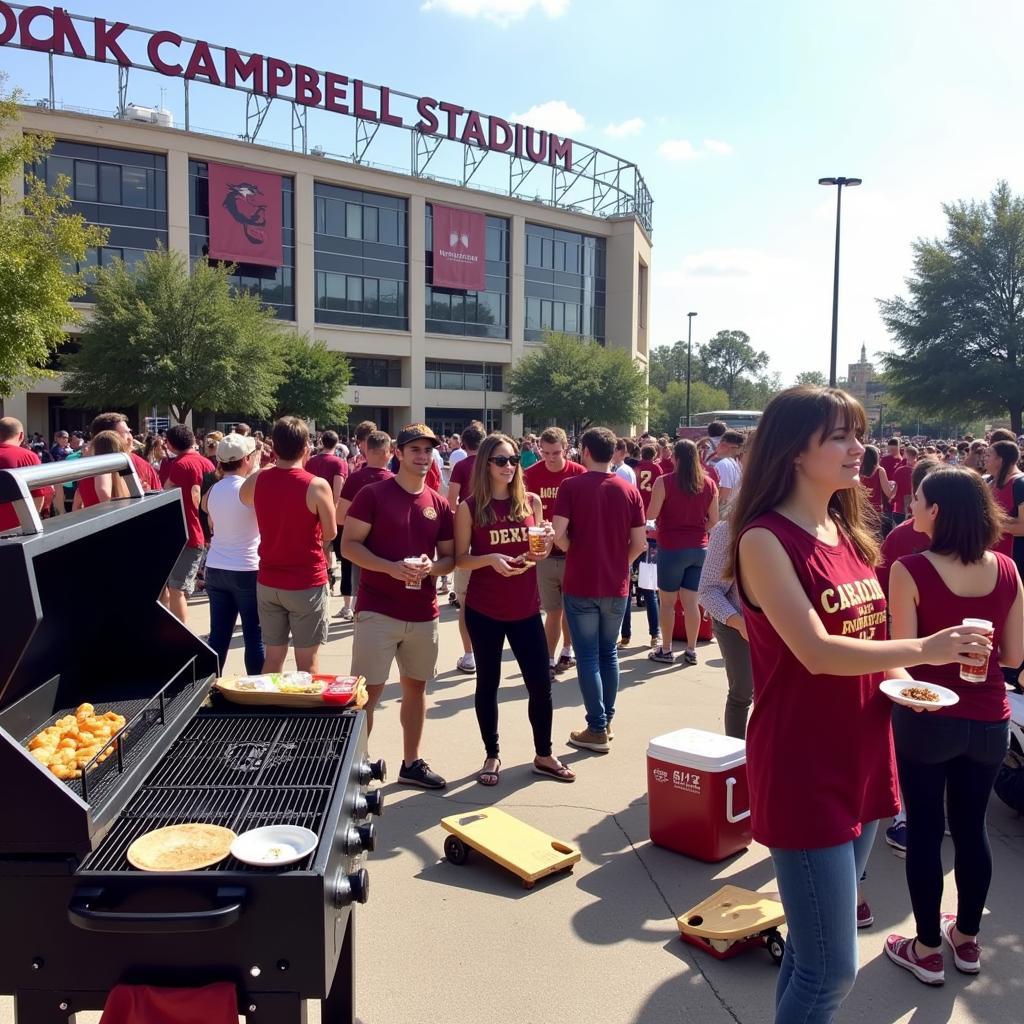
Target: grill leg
{"x":276,"y":1008}
{"x":41,"y":1008}
{"x":339,"y":1006}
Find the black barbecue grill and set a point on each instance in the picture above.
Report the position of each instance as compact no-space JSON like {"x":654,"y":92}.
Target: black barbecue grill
{"x":85,"y":625}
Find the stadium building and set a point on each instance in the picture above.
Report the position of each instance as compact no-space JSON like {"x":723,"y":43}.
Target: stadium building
{"x":433,"y":280}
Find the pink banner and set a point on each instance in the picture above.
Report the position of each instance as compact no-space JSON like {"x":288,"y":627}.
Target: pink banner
{"x":245,"y":215}
{"x":460,"y":239}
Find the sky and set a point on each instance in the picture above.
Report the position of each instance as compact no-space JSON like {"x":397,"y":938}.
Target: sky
{"x":732,"y":112}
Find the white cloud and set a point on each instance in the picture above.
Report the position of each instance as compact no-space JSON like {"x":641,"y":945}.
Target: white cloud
{"x":554,"y":116}
{"x":501,"y":12}
{"x":683,"y":149}
{"x":634,"y":126}
{"x":717,"y":147}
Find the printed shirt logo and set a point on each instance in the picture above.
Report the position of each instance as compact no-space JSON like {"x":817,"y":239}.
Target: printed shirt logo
{"x":859,"y":606}
{"x":430,"y":512}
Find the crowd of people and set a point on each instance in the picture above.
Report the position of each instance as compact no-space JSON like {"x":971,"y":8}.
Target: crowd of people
{"x":823,"y":565}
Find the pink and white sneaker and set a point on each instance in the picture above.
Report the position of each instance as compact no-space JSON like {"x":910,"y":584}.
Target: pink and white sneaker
{"x":928,"y":969}
{"x":865,"y":919}
{"x":966,"y":956}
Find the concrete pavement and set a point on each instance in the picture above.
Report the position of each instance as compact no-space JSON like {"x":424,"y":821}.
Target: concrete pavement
{"x":466,"y":945}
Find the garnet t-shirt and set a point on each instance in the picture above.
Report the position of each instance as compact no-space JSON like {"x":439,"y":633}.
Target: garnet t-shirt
{"x":902,"y":540}
{"x":646,"y":473}
{"x":902,"y":477}
{"x":890,"y":463}
{"x":147,"y":474}
{"x":506,"y":598}
{"x":819,"y":747}
{"x":291,"y":537}
{"x":939,"y":608}
{"x":402,"y":525}
{"x":186,"y":472}
{"x":363,"y":478}
{"x":683,"y":519}
{"x":602,"y":509}
{"x":542,"y":482}
{"x":11,"y":457}
{"x":327,"y":466}
{"x":1004,"y":499}
{"x":461,"y":473}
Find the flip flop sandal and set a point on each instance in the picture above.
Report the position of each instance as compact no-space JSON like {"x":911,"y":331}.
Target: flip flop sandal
{"x":561,"y":774}
{"x":486,"y":778}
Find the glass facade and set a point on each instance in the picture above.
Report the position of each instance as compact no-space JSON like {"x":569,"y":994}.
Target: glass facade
{"x":454,"y":421}
{"x":274,"y":285}
{"x":478,"y":314}
{"x":361,"y":258}
{"x":565,"y":283}
{"x":375,"y":373}
{"x":122,"y":190}
{"x":463,"y":376}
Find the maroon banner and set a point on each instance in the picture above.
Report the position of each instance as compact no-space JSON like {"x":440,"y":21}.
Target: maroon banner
{"x":245,"y":215}
{"x":460,"y":239}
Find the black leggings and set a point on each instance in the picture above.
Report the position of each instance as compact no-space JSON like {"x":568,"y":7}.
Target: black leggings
{"x":346,"y":566}
{"x":958,"y":758}
{"x":530,"y":647}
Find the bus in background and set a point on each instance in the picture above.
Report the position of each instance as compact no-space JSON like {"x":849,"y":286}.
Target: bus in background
{"x":734,"y":419}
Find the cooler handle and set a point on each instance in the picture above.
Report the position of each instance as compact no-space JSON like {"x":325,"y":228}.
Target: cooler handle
{"x":730,"y":817}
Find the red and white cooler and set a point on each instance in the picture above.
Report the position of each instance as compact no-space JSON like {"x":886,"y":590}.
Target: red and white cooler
{"x":697,"y":794}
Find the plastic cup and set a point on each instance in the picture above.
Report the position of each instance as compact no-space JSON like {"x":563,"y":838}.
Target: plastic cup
{"x":537,"y":542}
{"x":976,"y":673}
{"x":413,"y":562}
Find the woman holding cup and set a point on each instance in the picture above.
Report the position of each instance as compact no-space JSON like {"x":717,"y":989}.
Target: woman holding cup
{"x":500,"y":535}
{"x":953,"y":751}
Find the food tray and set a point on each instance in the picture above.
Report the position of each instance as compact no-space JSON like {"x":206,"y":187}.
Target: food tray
{"x":229,"y":688}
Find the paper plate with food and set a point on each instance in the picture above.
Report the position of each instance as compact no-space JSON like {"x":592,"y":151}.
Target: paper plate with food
{"x":295,"y":690}
{"x":913,"y":694}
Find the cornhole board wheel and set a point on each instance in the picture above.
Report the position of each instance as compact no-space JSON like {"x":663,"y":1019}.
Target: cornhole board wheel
{"x":516,"y":846}
{"x":734,"y":919}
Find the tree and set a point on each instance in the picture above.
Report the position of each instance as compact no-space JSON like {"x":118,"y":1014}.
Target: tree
{"x":671,"y":405}
{"x":577,"y":382}
{"x":314,"y":379}
{"x":162,"y":336}
{"x":960,"y":334}
{"x":37,"y":239}
{"x":811,"y":378}
{"x":728,"y":358}
{"x":668,"y":363}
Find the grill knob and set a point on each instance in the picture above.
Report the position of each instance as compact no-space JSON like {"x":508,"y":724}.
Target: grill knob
{"x":370,"y":803}
{"x":360,"y":838}
{"x":352,"y":889}
{"x":370,"y":770}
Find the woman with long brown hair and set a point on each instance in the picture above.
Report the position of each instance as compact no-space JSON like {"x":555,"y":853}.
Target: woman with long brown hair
{"x":819,"y":748}
{"x":876,"y":483}
{"x":1007,"y":482}
{"x":684,"y":504}
{"x":502,"y":602}
{"x":93,"y":490}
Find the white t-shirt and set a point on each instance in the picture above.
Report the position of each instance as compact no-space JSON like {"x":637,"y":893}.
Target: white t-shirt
{"x":626,"y":472}
{"x":729,"y":473}
{"x":236,"y":535}
{"x":456,"y":457}
{"x":438,"y":461}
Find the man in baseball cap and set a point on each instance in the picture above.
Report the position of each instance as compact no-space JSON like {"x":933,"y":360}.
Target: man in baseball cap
{"x":235,"y":447}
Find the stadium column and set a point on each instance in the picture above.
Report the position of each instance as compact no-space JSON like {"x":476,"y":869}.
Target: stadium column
{"x":177,"y":201}
{"x":304,"y":277}
{"x":416,"y":293}
{"x":513,"y":422}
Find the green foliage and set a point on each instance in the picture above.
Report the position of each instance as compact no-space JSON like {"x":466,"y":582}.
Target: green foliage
{"x":163,"y":336}
{"x":668,"y":408}
{"x":577,"y":382}
{"x":314,"y":379}
{"x":37,"y":238}
{"x":668,"y":363}
{"x":960,"y":333}
{"x":812,"y":378}
{"x":728,"y":360}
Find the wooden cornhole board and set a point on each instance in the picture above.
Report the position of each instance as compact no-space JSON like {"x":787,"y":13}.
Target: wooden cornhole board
{"x":734,"y":919}
{"x":516,"y":846}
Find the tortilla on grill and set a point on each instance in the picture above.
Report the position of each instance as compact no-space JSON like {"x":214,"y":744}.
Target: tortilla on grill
{"x":181,"y":847}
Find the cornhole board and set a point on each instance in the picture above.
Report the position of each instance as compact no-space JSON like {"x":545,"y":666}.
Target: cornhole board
{"x":734,"y":919}
{"x":516,"y":846}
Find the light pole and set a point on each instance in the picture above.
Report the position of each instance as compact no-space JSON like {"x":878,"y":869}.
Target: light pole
{"x":689,"y":346}
{"x":839,"y":183}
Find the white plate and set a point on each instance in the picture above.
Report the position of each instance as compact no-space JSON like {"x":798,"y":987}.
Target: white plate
{"x":274,"y":845}
{"x":893,"y":688}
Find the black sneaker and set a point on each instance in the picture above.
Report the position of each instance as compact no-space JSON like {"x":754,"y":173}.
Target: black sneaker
{"x":419,"y":774}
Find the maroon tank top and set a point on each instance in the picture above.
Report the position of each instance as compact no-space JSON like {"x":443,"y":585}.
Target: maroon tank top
{"x":1004,"y":499}
{"x":506,"y":598}
{"x":291,"y":547}
{"x":683,"y":519}
{"x":939,"y":608}
{"x":873,"y":485}
{"x":819,"y":747}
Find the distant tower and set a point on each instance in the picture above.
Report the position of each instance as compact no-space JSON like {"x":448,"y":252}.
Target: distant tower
{"x":863,"y":353}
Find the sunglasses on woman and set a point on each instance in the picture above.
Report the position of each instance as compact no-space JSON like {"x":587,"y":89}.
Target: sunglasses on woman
{"x":503,"y":460}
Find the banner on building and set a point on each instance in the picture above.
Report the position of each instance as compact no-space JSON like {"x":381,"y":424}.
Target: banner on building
{"x":460,"y":239}
{"x":245,"y":215}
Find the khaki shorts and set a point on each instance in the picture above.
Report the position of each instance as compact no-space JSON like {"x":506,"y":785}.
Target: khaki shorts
{"x":379,"y":640}
{"x":462,"y":583}
{"x":303,"y":613}
{"x":550,"y":574}
{"x":186,"y":568}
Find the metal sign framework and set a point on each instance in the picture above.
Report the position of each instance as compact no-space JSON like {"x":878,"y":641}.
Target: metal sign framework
{"x":599,"y":182}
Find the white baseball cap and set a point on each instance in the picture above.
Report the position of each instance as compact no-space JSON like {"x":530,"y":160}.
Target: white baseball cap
{"x":233,"y":447}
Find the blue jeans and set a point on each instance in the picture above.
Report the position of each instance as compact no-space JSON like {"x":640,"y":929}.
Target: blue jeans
{"x":232,"y":594}
{"x":819,"y":894}
{"x":594,"y":626}
{"x":650,"y":603}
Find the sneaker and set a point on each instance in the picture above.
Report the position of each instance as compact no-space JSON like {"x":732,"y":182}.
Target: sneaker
{"x":419,"y":774}
{"x":625,"y":642}
{"x":590,"y":739}
{"x":690,"y":657}
{"x":896,"y":837}
{"x":552,"y":672}
{"x":608,"y":731}
{"x":346,"y":613}
{"x":865,"y":919}
{"x":966,"y":956}
{"x":656,"y":641}
{"x":453,"y":599}
{"x":467,"y":663}
{"x":659,"y":654}
{"x":928,"y":969}
{"x":443,"y":587}
{"x":564,"y":663}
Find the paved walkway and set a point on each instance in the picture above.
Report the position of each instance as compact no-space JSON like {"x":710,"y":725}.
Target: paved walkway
{"x":468,"y":945}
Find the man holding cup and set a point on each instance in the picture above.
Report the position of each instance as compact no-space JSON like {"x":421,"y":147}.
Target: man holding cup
{"x":401,"y":532}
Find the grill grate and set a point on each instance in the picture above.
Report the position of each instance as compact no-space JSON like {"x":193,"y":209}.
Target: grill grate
{"x":237,"y":770}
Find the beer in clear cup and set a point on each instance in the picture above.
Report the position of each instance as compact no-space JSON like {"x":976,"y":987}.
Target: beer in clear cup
{"x":537,"y":541}
{"x":410,"y":562}
{"x":976,"y":673}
